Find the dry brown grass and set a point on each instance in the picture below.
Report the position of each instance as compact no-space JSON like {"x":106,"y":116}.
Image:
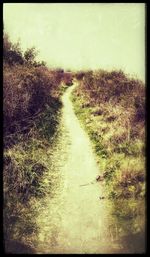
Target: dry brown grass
{"x":115,"y":107}
{"x":31,"y":117}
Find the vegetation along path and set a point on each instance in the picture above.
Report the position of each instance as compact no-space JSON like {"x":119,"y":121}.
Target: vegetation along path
{"x":77,"y":219}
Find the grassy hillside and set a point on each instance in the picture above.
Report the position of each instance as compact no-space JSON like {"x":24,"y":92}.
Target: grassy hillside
{"x":111,"y":107}
{"x":32,"y":110}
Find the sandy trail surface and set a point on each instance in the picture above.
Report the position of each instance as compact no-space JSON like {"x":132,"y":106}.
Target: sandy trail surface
{"x":82,"y":216}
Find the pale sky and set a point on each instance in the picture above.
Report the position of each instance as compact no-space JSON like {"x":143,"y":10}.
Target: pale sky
{"x":81,"y":36}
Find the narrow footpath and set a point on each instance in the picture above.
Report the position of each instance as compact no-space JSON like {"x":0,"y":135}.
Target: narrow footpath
{"x":76,"y":220}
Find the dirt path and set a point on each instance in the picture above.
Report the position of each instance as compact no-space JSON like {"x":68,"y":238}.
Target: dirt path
{"x":76,"y":220}
{"x":82,"y":210}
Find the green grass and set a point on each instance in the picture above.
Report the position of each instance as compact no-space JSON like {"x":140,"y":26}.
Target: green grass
{"x":118,"y":139}
{"x":29,"y":174}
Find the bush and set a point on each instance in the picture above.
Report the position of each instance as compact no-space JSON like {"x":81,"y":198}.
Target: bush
{"x":26,"y":92}
{"x":31,"y":113}
{"x":115,"y":89}
{"x":79,"y":75}
{"x":68,"y":78}
{"x":12,"y":53}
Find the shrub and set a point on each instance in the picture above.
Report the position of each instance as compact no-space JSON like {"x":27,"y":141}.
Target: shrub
{"x":26,"y":92}
{"x":68,"y":78}
{"x":12,"y":53}
{"x":79,"y":75}
{"x":115,"y":89}
{"x":31,"y":110}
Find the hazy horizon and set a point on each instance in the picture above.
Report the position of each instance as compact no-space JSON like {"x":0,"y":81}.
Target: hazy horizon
{"x":81,"y":36}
